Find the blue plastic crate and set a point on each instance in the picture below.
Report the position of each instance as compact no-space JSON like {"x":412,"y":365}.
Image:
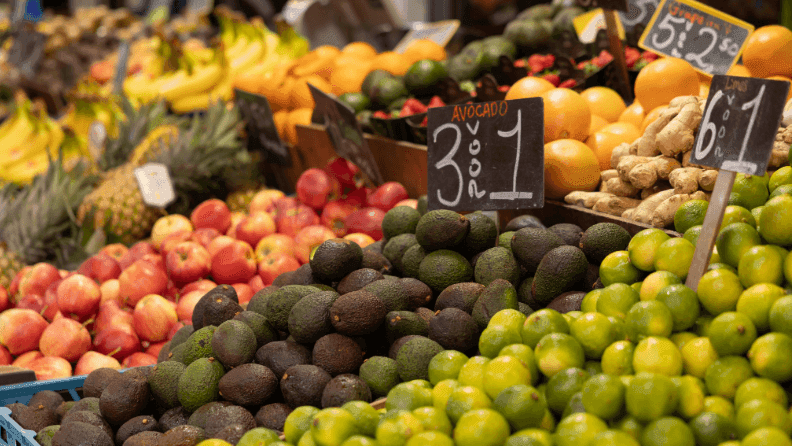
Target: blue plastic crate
{"x":12,"y":434}
{"x":22,"y":393}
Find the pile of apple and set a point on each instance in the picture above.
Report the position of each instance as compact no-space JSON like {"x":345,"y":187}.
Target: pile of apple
{"x":122,"y":304}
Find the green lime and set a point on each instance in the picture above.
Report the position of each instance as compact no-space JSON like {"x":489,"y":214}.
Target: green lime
{"x":503,"y":372}
{"x":258,"y":436}
{"x":690,"y":214}
{"x":697,"y":355}
{"x":655,"y":282}
{"x":298,"y":422}
{"x":691,"y":392}
{"x":387,"y":90}
{"x":779,"y":177}
{"x":617,"y":358}
{"x":776,"y":218}
{"x":572,"y":315}
{"x":603,"y":396}
{"x":613,"y":438}
{"x":548,"y":422}
{"x":667,"y":431}
{"x":541,"y":323}
{"x":397,"y":428}
{"x":767,"y":436}
{"x":629,"y":425}
{"x":594,"y":332}
{"x":537,"y":437}
{"x":522,"y":406}
{"x":726,"y":374}
{"x":433,"y":438}
{"x":366,"y":416}
{"x":769,"y":356}
{"x":735,"y":240}
{"x":682,"y":338}
{"x":712,"y":429}
{"x":637,"y":287}
{"x":618,"y":328}
{"x":788,"y":267}
{"x":657,"y":355}
{"x":616,"y":268}
{"x":558,"y":351}
{"x":446,"y":365}
{"x":648,"y":318}
{"x":643,"y":246}
{"x":756,"y":213}
{"x":423,"y":75}
{"x":616,"y":300}
{"x":357,"y":440}
{"x":675,"y":255}
{"x":756,"y":301}
{"x":732,"y":333}
{"x":562,"y":385}
{"x":578,"y":429}
{"x":752,"y":189}
{"x":781,"y":315}
{"x":719,"y":405}
{"x":758,"y":413}
{"x":589,"y":302}
{"x":356,"y":101}
{"x":511,"y":319}
{"x":526,"y":355}
{"x":433,"y":419}
{"x":683,"y":304}
{"x":760,"y":388}
{"x":472,"y":373}
{"x":702,"y":325}
{"x":495,"y":337}
{"x":693,"y":233}
{"x":371,"y":79}
{"x":464,"y":399}
{"x":719,"y":290}
{"x":442,"y":391}
{"x":761,"y":264}
{"x":330,"y":427}
{"x":482,"y":427}
{"x":718,"y":265}
{"x":784,"y":189}
{"x":737,"y":214}
{"x":408,"y":396}
{"x":592,"y":367}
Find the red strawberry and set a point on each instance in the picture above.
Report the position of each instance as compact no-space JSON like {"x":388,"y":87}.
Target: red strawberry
{"x":504,"y":88}
{"x":415,"y":105}
{"x":520,"y":63}
{"x":569,"y":83}
{"x":548,"y":60}
{"x":380,"y":114}
{"x":631,"y":56}
{"x":436,"y":102}
{"x":648,"y":56}
{"x":425,"y":121}
{"x":406,"y":110}
{"x":553,"y":79}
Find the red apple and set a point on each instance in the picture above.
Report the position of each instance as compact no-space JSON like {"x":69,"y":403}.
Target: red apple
{"x":308,"y":239}
{"x":187,"y":262}
{"x":167,"y":225}
{"x":78,"y":296}
{"x":347,"y":173}
{"x":5,"y":300}
{"x":274,"y":265}
{"x":281,"y":205}
{"x":366,"y":220}
{"x":274,"y":243}
{"x":66,"y":338}
{"x":155,"y":259}
{"x":5,"y":357}
{"x":174,"y":239}
{"x":211,"y":213}
{"x":134,"y":253}
{"x":37,"y":279}
{"x":33,"y":302}
{"x":26,"y":359}
{"x":51,"y":367}
{"x":111,"y":290}
{"x":112,"y":314}
{"x":139,"y":359}
{"x":244,"y":292}
{"x":185,"y":306}
{"x":13,"y":287}
{"x":204,"y":236}
{"x":153,"y":317}
{"x":64,"y":274}
{"x":91,"y":361}
{"x":256,"y":284}
{"x":118,"y":342}
{"x":387,"y":195}
{"x":154,"y":348}
{"x":234,"y":264}
{"x":115,"y":250}
{"x":255,"y":227}
{"x":199,"y":285}
{"x":236,"y":218}
{"x":334,"y":215}
{"x":410,"y":202}
{"x":263,"y":201}
{"x":51,"y":302}
{"x":315,"y":188}
{"x":20,"y":330}
{"x":172,"y":291}
{"x":100,"y":267}
{"x":356,"y":198}
{"x":292,"y":220}
{"x":140,"y":279}
{"x":361,"y":239}
{"x":219,"y":243}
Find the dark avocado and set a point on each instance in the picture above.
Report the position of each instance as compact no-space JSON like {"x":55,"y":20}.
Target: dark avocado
{"x":358,"y":279}
{"x":337,"y":354}
{"x":397,"y":345}
{"x":418,"y":293}
{"x":523,"y":221}
{"x":335,"y":258}
{"x":309,"y":318}
{"x":203,"y":414}
{"x":454,"y":329}
{"x":344,"y":388}
{"x":231,"y":434}
{"x":280,"y":355}
{"x":568,"y":232}
{"x":273,"y":416}
{"x":228,"y":416}
{"x":226,"y":291}
{"x":176,"y":416}
{"x":81,"y":434}
{"x":47,"y":398}
{"x":376,"y":261}
{"x":258,"y":303}
{"x":234,"y":343}
{"x":90,"y":404}
{"x":357,"y":313}
{"x":184,"y":435}
{"x":261,"y":327}
{"x":123,"y":399}
{"x":460,"y":295}
{"x":219,"y":309}
{"x":302,"y":385}
{"x":33,"y":418}
{"x":148,"y":438}
{"x":142,"y":423}
{"x":404,"y":323}
{"x":567,"y":302}
{"x":181,"y":335}
{"x":248,"y":385}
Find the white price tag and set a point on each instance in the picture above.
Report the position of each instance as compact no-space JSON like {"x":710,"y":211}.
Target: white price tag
{"x":438,"y":32}
{"x":97,"y":135}
{"x":155,"y":185}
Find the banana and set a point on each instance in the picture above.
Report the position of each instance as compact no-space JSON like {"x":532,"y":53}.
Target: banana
{"x":7,"y":126}
{"x":201,"y":80}
{"x":24,"y":171}
{"x":28,"y":149}
{"x":248,"y":58}
{"x":224,"y":91}
{"x":22,"y":130}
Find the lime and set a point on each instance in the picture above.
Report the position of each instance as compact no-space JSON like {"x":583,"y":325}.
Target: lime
{"x":719,"y":290}
{"x":693,"y":233}
{"x":761,"y":264}
{"x":719,"y":405}
{"x":648,"y":318}
{"x":594,"y":332}
{"x":538,"y":437}
{"x":446,"y":365}
{"x":482,"y":427}
{"x":737,"y":214}
{"x":521,"y":405}
{"x":357,"y":440}
{"x":578,"y":429}
{"x":330,"y":427}
{"x":616,"y":300}
{"x":397,"y":428}
{"x":726,"y":374}
{"x":756,"y":213}
{"x":503,"y":372}
{"x":472,"y":373}
{"x":682,"y":338}
{"x":779,"y":177}
{"x":408,"y":396}
{"x":603,"y":396}
{"x":718,"y":265}
{"x":541,"y":323}
{"x":788,"y":267}
{"x":508,"y":318}
{"x":464,"y":399}
{"x":690,"y":214}
{"x":697,"y":355}
{"x":572,"y":315}
{"x":776,"y":218}
{"x":752,"y":189}
{"x":423,"y":75}
{"x":593,"y":367}
{"x":613,"y":438}
{"x":442,"y":391}
{"x":657,"y":355}
{"x":366,"y":416}
{"x":433,"y":438}
{"x":702,"y":325}
{"x":526,"y":355}
{"x":759,"y":413}
{"x":562,"y":385}
{"x":716,"y":258}
{"x":637,"y":287}
{"x":767,"y":436}
{"x":589,"y":302}
{"x":683,"y":304}
{"x":712,"y":429}
{"x":215,"y":442}
{"x":655,"y":282}
{"x":643,"y":246}
{"x":433,"y":419}
{"x":617,"y":358}
{"x":735,"y":240}
{"x":769,"y":356}
{"x":298,"y":422}
{"x":650,"y":396}
{"x":548,"y":422}
{"x":732,"y":333}
{"x":495,"y":337}
{"x":371,"y":79}
{"x":618,"y":328}
{"x":667,"y":431}
{"x":258,"y":436}
{"x":756,"y":301}
{"x":616,"y":268}
{"x":784,"y":189}
{"x":558,"y":351}
{"x":629,"y":425}
{"x":761,"y":388}
{"x":781,"y":315}
{"x":691,"y":396}
{"x":675,"y":255}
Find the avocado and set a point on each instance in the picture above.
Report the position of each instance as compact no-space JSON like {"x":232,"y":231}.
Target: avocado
{"x":337,"y":354}
{"x":376,"y":261}
{"x":176,"y":416}
{"x":524,"y":291}
{"x":497,"y":263}
{"x":148,"y":438}
{"x":273,"y":416}
{"x":335,"y":258}
{"x":498,"y":295}
{"x":231,"y":434}
{"x":375,"y":247}
{"x":138,"y":372}
{"x":44,"y":436}
{"x":483,"y":234}
{"x":459,"y":295}
{"x":410,"y":263}
{"x":396,"y":247}
{"x":525,"y":309}
{"x":524,"y":221}
{"x":566,"y":302}
{"x":441,"y":229}
{"x":33,"y":418}
{"x":357,"y":313}
{"x":380,"y":375}
{"x":357,"y":279}
{"x":164,"y":352}
{"x":529,"y":246}
{"x":390,"y":292}
{"x":258,"y":303}
{"x":303,"y":275}
{"x":371,"y":79}
{"x":83,"y":416}
{"x":281,"y":302}
{"x":248,"y":385}
{"x":226,"y":291}
{"x":309,"y":319}
{"x":527,"y":34}
{"x":423,"y":201}
{"x":400,"y":220}
{"x":467,"y":64}
{"x":280,"y":355}
{"x":454,"y":329}
{"x":418,"y":293}
{"x":49,"y":399}
{"x":425,"y":314}
{"x":443,"y":268}
{"x":234,"y":343}
{"x":564,"y":19}
{"x":345,"y":388}
{"x":124,"y":398}
{"x":302,"y":385}
{"x":90,"y":404}
{"x":568,"y":232}
{"x":387,"y":90}
{"x":412,"y":361}
{"x":601,"y":239}
{"x":177,"y":353}
{"x":219,"y":309}
{"x":496,"y":47}
{"x":163,"y":383}
{"x":81,"y":434}
{"x":181,"y":335}
{"x":560,"y":269}
{"x":198,"y":345}
{"x":142,"y":423}
{"x":261,"y":327}
{"x":423,"y":75}
{"x":198,"y":384}
{"x":404,"y":323}
{"x":505,"y":239}
{"x":356,"y":101}
{"x":97,"y":381}
{"x":64,"y":408}
{"x":538,"y":12}
{"x":184,"y":435}
{"x":200,"y":417}
{"x":227,"y":416}
{"x":393,"y":352}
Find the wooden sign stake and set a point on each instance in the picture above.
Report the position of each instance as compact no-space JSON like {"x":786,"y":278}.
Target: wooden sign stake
{"x":618,"y":53}
{"x":711,"y":227}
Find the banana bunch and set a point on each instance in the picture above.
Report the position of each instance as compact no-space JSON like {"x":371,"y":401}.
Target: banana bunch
{"x":281,"y":52}
{"x":81,"y":114}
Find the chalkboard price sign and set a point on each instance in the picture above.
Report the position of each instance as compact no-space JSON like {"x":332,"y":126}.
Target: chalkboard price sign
{"x":637,"y":16}
{"x":486,"y":156}
{"x":260,"y":127}
{"x":707,"y":38}
{"x":616,"y":5}
{"x":740,"y":123}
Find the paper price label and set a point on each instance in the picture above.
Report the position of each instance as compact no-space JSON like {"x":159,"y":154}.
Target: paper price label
{"x":155,"y":185}
{"x":97,"y":136}
{"x":438,"y":32}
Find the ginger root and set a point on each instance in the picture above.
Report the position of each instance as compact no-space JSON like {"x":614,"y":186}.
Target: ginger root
{"x":643,"y":212}
{"x":684,"y":180}
{"x":621,"y":188}
{"x":627,"y":164}
{"x":615,"y":205}
{"x":606,"y":175}
{"x":585,"y":199}
{"x":663,"y":214}
{"x":678,"y":136}
{"x":706,"y":179}
{"x":657,"y":187}
{"x":619,"y":151}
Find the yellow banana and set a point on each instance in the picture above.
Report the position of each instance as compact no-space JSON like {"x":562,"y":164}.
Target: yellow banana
{"x":248,"y":59}
{"x":7,"y":126}
{"x":18,"y":134}
{"x":28,"y":149}
{"x":24,"y":171}
{"x":224,"y":91}
{"x":238,"y":47}
{"x":201,"y":80}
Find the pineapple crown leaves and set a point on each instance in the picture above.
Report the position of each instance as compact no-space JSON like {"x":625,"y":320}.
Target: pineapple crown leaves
{"x":132,"y":130}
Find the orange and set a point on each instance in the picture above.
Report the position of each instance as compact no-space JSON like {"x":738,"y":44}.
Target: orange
{"x":634,"y":114}
{"x":281,"y":118}
{"x":566,"y":115}
{"x":597,"y":122}
{"x":624,"y":129}
{"x":301,"y":96}
{"x":602,"y":144}
{"x":528,"y":87}
{"x":651,"y":116}
{"x":570,"y":165}
{"x":321,"y":62}
{"x":784,"y":78}
{"x":299,"y":116}
{"x":360,"y":49}
{"x":768,"y":52}
{"x":278,"y":93}
{"x":424,"y":49}
{"x":348,"y":78}
{"x":393,"y":63}
{"x":604,"y":102}
{"x":704,"y":90}
{"x":738,"y":70}
{"x":704,"y":78}
{"x":663,"y":80}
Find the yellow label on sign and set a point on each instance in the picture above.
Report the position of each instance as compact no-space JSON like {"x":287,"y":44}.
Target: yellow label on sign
{"x":586,"y":25}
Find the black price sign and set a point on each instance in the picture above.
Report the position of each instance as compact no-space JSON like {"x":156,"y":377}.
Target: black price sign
{"x":707,"y":38}
{"x":27,"y":51}
{"x":487,"y":156}
{"x":638,"y":12}
{"x":742,"y":113}
{"x":260,"y":128}
{"x":345,"y":133}
{"x":617,"y":5}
